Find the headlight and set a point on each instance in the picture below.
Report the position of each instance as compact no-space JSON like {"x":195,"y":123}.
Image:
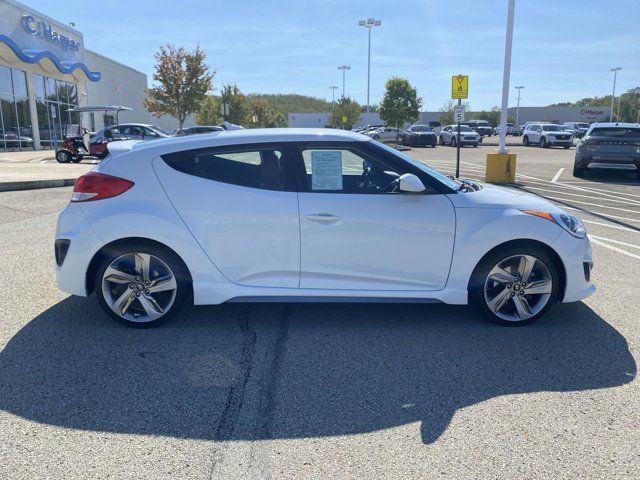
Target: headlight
{"x":571,"y":224}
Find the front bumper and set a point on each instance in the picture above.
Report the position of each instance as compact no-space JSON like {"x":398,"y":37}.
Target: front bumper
{"x":423,"y":140}
{"x":575,"y":254}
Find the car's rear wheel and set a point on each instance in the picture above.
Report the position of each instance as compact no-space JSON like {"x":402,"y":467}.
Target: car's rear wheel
{"x":578,"y":172}
{"x":525,"y":140}
{"x":62,"y":156}
{"x":141,"y":285}
{"x":516,"y":285}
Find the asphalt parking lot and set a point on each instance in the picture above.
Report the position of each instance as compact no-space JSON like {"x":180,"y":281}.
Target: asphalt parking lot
{"x":326,"y":391}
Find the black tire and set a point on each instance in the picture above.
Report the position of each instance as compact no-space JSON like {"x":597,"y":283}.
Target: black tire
{"x":453,"y":141}
{"x":578,"y":172}
{"x":475,"y":145}
{"x":476,"y":285}
{"x":525,"y":140}
{"x":177,"y":266}
{"x":441,"y":141}
{"x":543,"y":143}
{"x":77,"y":159}
{"x":566,"y":147}
{"x":62,"y":156}
{"x":376,"y":137}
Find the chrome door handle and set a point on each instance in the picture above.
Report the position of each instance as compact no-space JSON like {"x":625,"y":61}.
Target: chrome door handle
{"x":322,"y":217}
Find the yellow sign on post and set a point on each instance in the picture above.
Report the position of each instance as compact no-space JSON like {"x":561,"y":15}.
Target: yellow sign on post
{"x":344,"y":119}
{"x":460,"y":86}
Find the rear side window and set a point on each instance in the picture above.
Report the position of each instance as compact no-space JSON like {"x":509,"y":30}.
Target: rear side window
{"x":258,"y":167}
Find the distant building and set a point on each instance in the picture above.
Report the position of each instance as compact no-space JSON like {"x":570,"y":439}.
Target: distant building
{"x":527,"y":114}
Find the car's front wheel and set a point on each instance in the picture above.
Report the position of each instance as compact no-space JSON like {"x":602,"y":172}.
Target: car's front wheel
{"x":577,"y":171}
{"x":543,"y":142}
{"x":141,"y":285}
{"x":525,"y":140}
{"x":515,"y":285}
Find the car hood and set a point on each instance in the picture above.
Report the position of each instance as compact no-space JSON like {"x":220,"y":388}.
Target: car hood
{"x":492,"y":196}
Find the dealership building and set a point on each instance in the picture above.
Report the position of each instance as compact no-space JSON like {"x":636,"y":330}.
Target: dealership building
{"x":45,"y":70}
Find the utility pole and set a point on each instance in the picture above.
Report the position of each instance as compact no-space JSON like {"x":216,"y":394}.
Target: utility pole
{"x":613,"y":94}
{"x":369,"y":23}
{"x":518,"y":107}
{"x":505,"y":78}
{"x":344,"y":69}
{"x":333,"y":93}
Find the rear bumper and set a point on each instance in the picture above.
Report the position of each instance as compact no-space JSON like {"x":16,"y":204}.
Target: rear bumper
{"x":608,"y":162}
{"x":73,"y":226}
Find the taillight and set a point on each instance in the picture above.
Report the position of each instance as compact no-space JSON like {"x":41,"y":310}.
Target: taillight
{"x":96,"y":186}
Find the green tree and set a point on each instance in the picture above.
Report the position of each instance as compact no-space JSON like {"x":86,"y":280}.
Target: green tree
{"x":209,"y":113}
{"x":400,"y":103}
{"x":182,"y":80}
{"x":345,"y":107}
{"x":238,"y":104}
{"x":446,"y":116}
{"x":261,"y":114}
{"x":280,"y":120}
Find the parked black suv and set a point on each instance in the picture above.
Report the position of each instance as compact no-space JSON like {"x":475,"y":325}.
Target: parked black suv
{"x":614,"y":146}
{"x":417,"y":135}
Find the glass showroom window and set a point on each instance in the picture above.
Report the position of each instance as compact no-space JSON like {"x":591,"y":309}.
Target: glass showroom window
{"x":15,"y":120}
{"x":53,"y":100}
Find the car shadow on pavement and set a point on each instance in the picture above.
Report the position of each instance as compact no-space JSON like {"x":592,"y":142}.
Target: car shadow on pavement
{"x":250,"y":372}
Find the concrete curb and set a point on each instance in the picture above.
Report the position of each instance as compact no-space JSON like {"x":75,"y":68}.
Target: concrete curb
{"x":36,"y":184}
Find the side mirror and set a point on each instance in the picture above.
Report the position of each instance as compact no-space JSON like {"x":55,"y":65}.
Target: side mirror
{"x":411,"y":184}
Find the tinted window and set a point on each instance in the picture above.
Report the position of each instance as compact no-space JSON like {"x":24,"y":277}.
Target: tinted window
{"x":256,"y":167}
{"x":615,"y":132}
{"x":421,"y":128}
{"x":551,"y":128}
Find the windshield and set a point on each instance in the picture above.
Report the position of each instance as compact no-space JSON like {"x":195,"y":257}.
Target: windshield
{"x":582,"y":125}
{"x":463,"y":128}
{"x":452,"y":184}
{"x":158,"y":130}
{"x":552,"y":128}
{"x":421,"y":128}
{"x":482,"y":123}
{"x":615,"y":132}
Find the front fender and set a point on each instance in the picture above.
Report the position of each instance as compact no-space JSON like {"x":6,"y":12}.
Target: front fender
{"x":478,"y":230}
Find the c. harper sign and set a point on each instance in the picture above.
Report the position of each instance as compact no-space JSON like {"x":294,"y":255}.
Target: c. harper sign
{"x":41,"y":29}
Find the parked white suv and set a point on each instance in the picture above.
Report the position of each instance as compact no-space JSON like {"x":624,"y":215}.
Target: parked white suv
{"x":547,"y":135}
{"x":449,"y":136}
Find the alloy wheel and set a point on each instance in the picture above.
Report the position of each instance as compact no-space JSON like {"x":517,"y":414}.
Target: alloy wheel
{"x":139,"y":287}
{"x":518,"y":287}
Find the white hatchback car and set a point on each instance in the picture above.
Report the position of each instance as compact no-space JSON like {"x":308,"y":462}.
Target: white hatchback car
{"x":307,"y":215}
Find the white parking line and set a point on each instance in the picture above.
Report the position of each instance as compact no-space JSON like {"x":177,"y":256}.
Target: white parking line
{"x":557,"y":176}
{"x":617,"y":227}
{"x":601,"y":199}
{"x":615,"y":241}
{"x":592,"y":204}
{"x":602,"y":192}
{"x":615,"y":249}
{"x":599,"y":214}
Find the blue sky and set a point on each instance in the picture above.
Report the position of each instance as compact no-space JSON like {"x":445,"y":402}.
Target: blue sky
{"x":562,"y":50}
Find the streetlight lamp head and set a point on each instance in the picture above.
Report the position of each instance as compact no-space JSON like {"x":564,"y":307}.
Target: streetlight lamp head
{"x":615,"y":69}
{"x":377,"y":23}
{"x":362,"y":23}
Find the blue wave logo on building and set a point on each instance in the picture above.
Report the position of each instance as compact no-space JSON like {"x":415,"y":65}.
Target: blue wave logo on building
{"x":44,"y":30}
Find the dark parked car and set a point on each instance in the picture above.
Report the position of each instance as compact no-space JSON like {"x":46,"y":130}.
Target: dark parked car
{"x":614,"y":146}
{"x":417,"y":135}
{"x":198,"y":129}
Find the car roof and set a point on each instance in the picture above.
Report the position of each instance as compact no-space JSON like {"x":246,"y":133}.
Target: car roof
{"x":239,"y":137}
{"x":616,"y":124}
{"x":134,"y":125}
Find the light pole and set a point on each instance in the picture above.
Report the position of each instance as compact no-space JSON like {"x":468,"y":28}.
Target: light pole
{"x":333,"y":93}
{"x":369,"y":23}
{"x":344,"y":68}
{"x":518,"y":107}
{"x":613,"y":95}
{"x":505,"y":78}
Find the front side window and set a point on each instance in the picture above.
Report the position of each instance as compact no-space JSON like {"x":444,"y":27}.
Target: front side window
{"x":257,"y":167}
{"x":341,"y":170}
